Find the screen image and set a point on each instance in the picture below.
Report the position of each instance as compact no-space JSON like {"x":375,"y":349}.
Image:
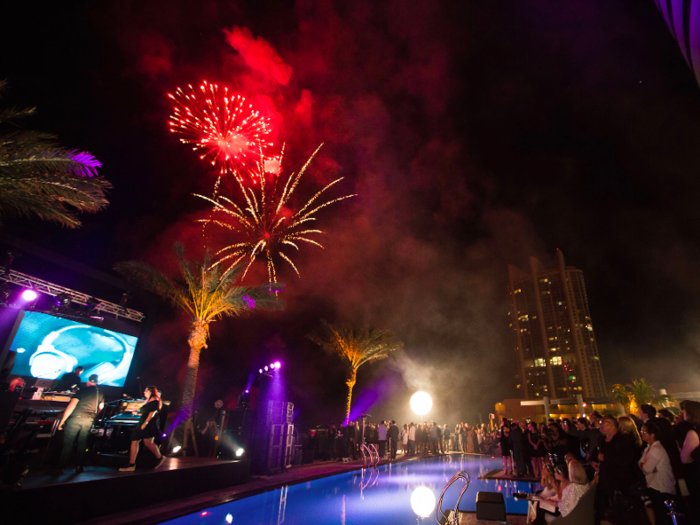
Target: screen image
{"x":48,"y":347}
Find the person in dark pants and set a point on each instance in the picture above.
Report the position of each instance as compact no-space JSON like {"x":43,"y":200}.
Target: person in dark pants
{"x":393,"y":434}
{"x":351,"y":433}
{"x":77,"y":420}
{"x":517,"y":444}
{"x":382,"y":430}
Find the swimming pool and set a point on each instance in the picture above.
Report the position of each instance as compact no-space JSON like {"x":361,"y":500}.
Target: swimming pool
{"x":394,"y":494}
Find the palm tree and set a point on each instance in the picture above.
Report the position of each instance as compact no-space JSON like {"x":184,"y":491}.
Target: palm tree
{"x":621,"y":396}
{"x":39,"y":178}
{"x":641,"y":393}
{"x":206,"y":294}
{"x":355,"y":347}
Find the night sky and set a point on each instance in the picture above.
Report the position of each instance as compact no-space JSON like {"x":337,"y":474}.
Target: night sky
{"x":475,"y":134}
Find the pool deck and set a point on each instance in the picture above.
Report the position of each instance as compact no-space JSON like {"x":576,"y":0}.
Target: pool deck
{"x":319,"y":469}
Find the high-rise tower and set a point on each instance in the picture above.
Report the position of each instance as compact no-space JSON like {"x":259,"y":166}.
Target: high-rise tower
{"x":555,"y":346}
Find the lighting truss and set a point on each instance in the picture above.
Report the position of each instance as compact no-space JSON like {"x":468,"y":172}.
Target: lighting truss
{"x":22,"y":279}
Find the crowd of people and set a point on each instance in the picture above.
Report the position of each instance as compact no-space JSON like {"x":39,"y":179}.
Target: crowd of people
{"x":636,"y":463}
{"x":390,"y":439}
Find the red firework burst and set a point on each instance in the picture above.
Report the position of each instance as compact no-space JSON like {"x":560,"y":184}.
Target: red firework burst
{"x":225,"y":126}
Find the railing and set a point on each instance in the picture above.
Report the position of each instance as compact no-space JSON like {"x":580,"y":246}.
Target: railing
{"x":367,"y":451}
{"x":454,"y":519}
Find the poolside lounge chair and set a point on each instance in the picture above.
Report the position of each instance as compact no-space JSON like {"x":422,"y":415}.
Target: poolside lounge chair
{"x":583,"y":513}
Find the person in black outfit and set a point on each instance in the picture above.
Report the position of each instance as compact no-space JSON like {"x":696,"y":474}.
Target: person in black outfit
{"x":621,"y":481}
{"x":70,"y":381}
{"x":590,"y":437}
{"x":393,"y":436}
{"x":146,"y":429}
{"x":505,"y":446}
{"x":77,"y":420}
{"x":351,"y":436}
{"x":517,"y":444}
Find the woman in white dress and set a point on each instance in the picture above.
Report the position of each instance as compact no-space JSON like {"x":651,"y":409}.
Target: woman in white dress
{"x":404,"y":439}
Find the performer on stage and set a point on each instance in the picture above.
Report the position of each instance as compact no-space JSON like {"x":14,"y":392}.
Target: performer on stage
{"x":147,"y":429}
{"x":78,"y":419}
{"x":70,"y":381}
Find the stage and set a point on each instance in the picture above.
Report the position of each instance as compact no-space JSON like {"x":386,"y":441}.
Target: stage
{"x":100,"y":491}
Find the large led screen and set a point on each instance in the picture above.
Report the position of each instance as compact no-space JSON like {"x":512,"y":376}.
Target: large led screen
{"x":48,"y":347}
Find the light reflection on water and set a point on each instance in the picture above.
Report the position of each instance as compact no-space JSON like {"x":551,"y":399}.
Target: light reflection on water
{"x":367,"y":497}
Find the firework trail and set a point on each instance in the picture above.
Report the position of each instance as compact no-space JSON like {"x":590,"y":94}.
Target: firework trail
{"x":226,"y":128}
{"x":264,"y":223}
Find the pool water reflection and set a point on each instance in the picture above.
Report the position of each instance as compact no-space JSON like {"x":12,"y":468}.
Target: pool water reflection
{"x":394,"y":494}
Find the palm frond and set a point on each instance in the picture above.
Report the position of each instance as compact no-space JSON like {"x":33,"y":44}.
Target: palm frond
{"x":39,"y":178}
{"x":10,"y":115}
{"x":206,"y":294}
{"x":154,"y":280}
{"x":355,"y":346}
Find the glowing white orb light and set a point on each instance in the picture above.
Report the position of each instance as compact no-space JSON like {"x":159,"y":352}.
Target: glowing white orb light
{"x":423,"y":501}
{"x":421,"y":403}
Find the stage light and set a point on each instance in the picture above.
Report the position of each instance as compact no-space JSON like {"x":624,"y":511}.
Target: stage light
{"x":421,"y":403}
{"x":63,"y":300}
{"x":277,"y":365}
{"x":247,"y":391}
{"x":239,"y":452}
{"x":266,"y":369}
{"x":4,"y":292}
{"x":92,"y":304}
{"x":29,"y":295}
{"x":423,"y":501}
{"x":229,"y":518}
{"x":164,"y":435}
{"x":261,"y":370}
{"x":176,"y":449}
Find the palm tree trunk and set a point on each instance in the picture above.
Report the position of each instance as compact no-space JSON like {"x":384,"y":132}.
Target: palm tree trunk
{"x":199,"y":333}
{"x":352,"y":378}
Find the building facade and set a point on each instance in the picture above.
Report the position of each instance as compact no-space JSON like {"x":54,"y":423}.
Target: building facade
{"x":555,"y":346}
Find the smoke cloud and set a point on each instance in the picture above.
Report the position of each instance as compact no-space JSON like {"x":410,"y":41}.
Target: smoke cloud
{"x":474,"y":135}
{"x":258,"y":54}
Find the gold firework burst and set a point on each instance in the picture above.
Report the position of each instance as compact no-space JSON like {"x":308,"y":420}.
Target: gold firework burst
{"x":265,"y":222}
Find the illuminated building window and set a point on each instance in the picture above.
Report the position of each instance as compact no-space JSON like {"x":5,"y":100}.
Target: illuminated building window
{"x":556,"y":360}
{"x":540,"y":362}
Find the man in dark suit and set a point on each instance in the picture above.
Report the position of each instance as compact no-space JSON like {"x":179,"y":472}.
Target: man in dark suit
{"x":393,"y":435}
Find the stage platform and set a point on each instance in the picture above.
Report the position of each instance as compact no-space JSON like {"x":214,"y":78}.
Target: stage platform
{"x":100,"y":491}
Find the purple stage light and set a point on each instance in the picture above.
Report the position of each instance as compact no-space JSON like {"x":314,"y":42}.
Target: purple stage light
{"x":29,"y":294}
{"x":247,"y":391}
{"x":277,"y":365}
{"x":266,"y":369}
